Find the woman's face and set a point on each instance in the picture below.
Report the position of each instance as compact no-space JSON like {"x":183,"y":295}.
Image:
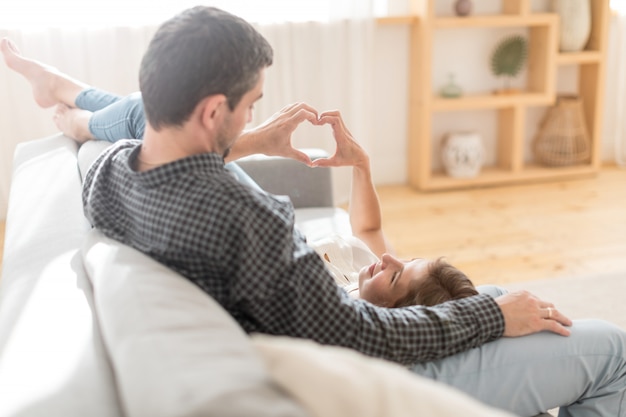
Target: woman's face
{"x":385,"y":282}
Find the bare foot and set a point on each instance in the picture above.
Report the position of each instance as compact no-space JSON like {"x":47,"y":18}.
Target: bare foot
{"x":49,"y":86}
{"x":73,"y":122}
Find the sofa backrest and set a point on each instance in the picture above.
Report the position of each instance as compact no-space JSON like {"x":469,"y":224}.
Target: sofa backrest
{"x":305,"y":186}
{"x":52,"y":360}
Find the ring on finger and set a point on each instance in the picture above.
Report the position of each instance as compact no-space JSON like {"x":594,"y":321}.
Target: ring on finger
{"x":549,"y":313}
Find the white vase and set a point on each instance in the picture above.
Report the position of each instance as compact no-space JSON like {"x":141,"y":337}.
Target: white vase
{"x":574,"y":25}
{"x":462,"y":154}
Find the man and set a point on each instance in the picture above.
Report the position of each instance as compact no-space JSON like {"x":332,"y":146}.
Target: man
{"x":170,"y":197}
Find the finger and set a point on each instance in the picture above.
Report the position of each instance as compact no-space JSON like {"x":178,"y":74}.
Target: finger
{"x":303,"y":114}
{"x":334,"y":113}
{"x":289,"y":107}
{"x":331,"y":115}
{"x":328,"y":119}
{"x":323,"y":162}
{"x":297,"y":107}
{"x":560,"y":318}
{"x":556,"y":327}
{"x":335,"y":123}
{"x":545,"y":304}
{"x":300,"y":156}
{"x":335,"y":120}
{"x":547,"y":313}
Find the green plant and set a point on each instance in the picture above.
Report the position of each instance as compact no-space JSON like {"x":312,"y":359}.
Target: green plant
{"x":509,"y":57}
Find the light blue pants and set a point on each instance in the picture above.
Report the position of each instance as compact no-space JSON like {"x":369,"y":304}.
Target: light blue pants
{"x":583,"y":374}
{"x":114,"y":117}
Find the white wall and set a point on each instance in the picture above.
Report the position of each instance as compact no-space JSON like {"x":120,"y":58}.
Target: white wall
{"x":388,"y":150}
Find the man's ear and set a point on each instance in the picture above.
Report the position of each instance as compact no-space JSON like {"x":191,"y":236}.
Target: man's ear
{"x":212,"y":110}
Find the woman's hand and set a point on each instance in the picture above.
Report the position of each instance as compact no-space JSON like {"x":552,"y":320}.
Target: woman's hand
{"x":348,"y":151}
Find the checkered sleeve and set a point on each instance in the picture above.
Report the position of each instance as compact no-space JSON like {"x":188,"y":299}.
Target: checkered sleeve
{"x":283,"y":288}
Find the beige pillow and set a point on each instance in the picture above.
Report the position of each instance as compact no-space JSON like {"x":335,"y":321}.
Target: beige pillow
{"x":338,"y":382}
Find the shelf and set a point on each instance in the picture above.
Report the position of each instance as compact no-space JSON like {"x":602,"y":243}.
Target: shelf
{"x":574,"y":58}
{"x":486,"y":21}
{"x":493,"y":176}
{"x":494,"y":21}
{"x":490,"y":101}
{"x":397,"y":20}
{"x":511,"y":132}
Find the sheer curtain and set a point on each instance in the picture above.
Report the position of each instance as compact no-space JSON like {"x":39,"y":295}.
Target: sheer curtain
{"x":326,"y":62}
{"x":329,"y":66}
{"x":108,"y":58}
{"x":615,"y":104}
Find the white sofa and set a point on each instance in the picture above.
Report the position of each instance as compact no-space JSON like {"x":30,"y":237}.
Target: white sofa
{"x":90,"y":327}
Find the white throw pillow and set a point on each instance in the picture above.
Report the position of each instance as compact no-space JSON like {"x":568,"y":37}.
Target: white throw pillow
{"x":338,"y":382}
{"x":174,"y":350}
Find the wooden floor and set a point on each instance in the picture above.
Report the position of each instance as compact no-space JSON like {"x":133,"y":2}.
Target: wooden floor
{"x":511,"y":234}
{"x":519,"y":233}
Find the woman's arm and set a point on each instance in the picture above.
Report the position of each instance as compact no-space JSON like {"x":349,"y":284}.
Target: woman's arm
{"x":365,"y":215}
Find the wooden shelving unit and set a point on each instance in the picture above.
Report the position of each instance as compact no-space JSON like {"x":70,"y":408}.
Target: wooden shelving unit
{"x":543,"y":62}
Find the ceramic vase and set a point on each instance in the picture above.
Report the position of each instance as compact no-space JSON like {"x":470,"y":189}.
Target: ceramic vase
{"x":463,"y":7}
{"x":462,"y":154}
{"x":575,"y":23}
{"x":451,"y":89}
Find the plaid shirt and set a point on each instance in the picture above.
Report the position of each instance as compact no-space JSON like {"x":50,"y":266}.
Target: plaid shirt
{"x":240,"y":246}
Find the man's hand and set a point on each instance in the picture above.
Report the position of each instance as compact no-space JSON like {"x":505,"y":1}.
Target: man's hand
{"x":348,"y":151}
{"x":526,"y":314}
{"x":273,"y":137}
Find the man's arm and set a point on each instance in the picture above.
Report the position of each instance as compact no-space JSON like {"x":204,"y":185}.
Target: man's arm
{"x":286,"y":290}
{"x":280,"y":286}
{"x":273,"y":137}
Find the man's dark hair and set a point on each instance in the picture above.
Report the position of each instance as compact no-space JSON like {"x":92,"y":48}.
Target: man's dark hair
{"x":200,"y":52}
{"x":443,"y":283}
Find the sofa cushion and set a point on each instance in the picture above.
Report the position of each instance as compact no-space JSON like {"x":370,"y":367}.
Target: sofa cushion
{"x":175,"y":351}
{"x":338,"y":382}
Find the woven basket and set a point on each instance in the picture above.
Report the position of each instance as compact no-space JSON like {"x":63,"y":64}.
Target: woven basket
{"x":562,"y":138}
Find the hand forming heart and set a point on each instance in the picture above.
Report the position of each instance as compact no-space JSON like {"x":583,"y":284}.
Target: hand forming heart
{"x":348,"y":152}
{"x":274,"y":136}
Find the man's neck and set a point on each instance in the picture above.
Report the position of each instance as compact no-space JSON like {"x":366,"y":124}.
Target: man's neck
{"x":167,"y":145}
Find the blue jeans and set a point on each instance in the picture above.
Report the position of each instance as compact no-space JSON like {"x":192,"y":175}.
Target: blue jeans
{"x":583,"y":374}
{"x":114,"y":117}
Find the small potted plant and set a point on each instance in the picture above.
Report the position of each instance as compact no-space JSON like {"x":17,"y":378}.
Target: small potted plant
{"x":507,"y":60}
